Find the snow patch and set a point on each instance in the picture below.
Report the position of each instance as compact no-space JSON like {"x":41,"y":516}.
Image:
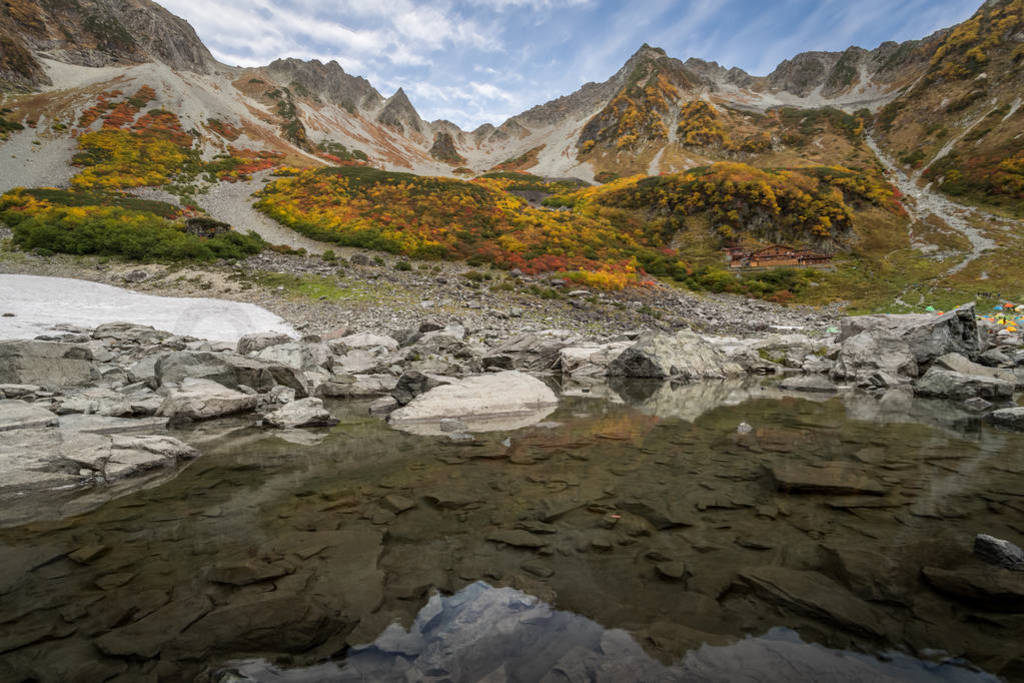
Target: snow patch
{"x":40,"y":304}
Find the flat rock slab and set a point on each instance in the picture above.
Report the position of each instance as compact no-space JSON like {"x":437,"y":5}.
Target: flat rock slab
{"x":500,"y":401}
{"x":830,"y":478}
{"x":306,"y":412}
{"x":991,"y":588}
{"x":1011,"y":418}
{"x":814,"y":595}
{"x":21,"y":415}
{"x":811,"y":383}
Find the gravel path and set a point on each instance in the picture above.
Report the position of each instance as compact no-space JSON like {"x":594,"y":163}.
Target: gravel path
{"x":929,"y":203}
{"x":232,"y":203}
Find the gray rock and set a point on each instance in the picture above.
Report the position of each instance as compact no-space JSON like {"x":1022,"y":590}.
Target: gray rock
{"x":866,"y":354}
{"x":530,"y":352}
{"x":957,"y":363}
{"x":506,"y":400}
{"x":97,"y":401}
{"x":356,"y":386}
{"x":999,"y":552}
{"x":1011,"y":418}
{"x":992,"y":589}
{"x":18,"y":390}
{"x":383,"y":406}
{"x":810,"y":383}
{"x":362,"y":340}
{"x":48,"y":364}
{"x":941,"y":383}
{"x":230,"y":370}
{"x":201,"y":399}
{"x":413,"y":383}
{"x":124,"y":332}
{"x":295,"y":355}
{"x":927,"y":336}
{"x":252,"y":343}
{"x":832,"y":477}
{"x":306,"y":412}
{"x":20,"y":415}
{"x":682,"y":355}
{"x":590,"y":360}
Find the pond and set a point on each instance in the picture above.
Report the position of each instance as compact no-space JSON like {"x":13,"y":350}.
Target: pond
{"x":656,"y":539}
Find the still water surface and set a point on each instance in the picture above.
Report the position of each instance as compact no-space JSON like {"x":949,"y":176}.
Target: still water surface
{"x":640,"y":541}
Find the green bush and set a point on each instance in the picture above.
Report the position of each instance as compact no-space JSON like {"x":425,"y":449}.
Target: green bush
{"x":114,"y":231}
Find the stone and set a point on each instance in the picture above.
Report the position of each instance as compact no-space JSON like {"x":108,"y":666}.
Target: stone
{"x":590,"y":360}
{"x":357,"y":386}
{"x":957,"y":363}
{"x":516,"y":538}
{"x":295,"y":355}
{"x":397,"y":503}
{"x":661,"y":514}
{"x":53,"y":365}
{"x":126,"y":332}
{"x":253,"y":343}
{"x":866,"y":354}
{"x":131,"y":455}
{"x":20,"y":415}
{"x":362,"y":340}
{"x":383,"y":406}
{"x":97,"y":401}
{"x":305,"y":412}
{"x":977,"y":405}
{"x":202,"y":399}
{"x":833,"y":477}
{"x":1010,"y":418}
{"x":532,"y":352}
{"x":452,"y":424}
{"x":999,"y":552}
{"x":941,"y":383}
{"x":505,"y":400}
{"x":816,"y":596}
{"x":682,"y":355}
{"x":245,"y":573}
{"x":994,"y":589}
{"x":413,"y":383}
{"x":145,"y":638}
{"x":808,"y":383}
{"x":927,"y":336}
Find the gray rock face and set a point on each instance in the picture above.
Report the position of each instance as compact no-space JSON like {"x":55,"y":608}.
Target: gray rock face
{"x":866,"y":354}
{"x":682,"y":355}
{"x":48,"y":364}
{"x":202,"y":399}
{"x":1011,"y":418}
{"x":957,"y":363}
{"x":530,"y":352}
{"x":591,"y":360}
{"x":251,"y":343}
{"x":306,"y":412}
{"x":999,"y":552}
{"x":504,"y":400}
{"x":941,"y":383}
{"x":20,"y":415}
{"x":130,"y":333}
{"x":411,"y":384}
{"x":228,"y":369}
{"x":927,"y":336}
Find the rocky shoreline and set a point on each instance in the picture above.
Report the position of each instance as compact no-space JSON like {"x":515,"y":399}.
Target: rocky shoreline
{"x":92,"y":407}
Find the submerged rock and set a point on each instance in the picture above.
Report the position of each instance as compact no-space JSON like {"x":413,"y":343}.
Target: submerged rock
{"x":832,"y":478}
{"x":505,"y":400}
{"x":1000,"y":552}
{"x":998,"y":590}
{"x":682,"y":355}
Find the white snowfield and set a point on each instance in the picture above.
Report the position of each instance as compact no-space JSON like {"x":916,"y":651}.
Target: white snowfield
{"x":40,"y":304}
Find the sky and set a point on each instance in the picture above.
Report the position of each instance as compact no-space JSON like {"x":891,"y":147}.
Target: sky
{"x":482,"y":61}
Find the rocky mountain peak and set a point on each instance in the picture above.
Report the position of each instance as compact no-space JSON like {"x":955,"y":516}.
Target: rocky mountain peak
{"x":328,"y":81}
{"x":94,"y":33}
{"x":399,"y":113}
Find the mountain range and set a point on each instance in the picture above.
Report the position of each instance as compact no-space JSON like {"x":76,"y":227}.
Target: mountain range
{"x":943,"y":110}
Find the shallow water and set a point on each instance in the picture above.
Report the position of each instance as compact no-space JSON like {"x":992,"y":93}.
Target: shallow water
{"x":635,"y":534}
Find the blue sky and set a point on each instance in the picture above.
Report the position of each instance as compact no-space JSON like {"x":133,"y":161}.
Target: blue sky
{"x":477,"y":61}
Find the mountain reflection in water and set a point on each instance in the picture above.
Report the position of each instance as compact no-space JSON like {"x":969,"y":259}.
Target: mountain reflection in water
{"x":486,"y":634}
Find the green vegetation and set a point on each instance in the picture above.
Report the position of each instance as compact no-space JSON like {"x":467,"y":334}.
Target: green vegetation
{"x":50,"y":221}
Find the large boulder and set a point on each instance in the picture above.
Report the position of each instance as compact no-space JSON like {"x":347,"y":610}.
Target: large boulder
{"x":504,"y":400}
{"x":362,"y":340}
{"x":939,"y":382}
{"x":866,"y":353}
{"x":130,"y":333}
{"x":682,"y":355}
{"x":201,"y":399}
{"x":413,"y":383}
{"x":927,"y":336}
{"x":230,"y":370}
{"x":306,"y":412}
{"x":532,"y":352}
{"x":50,"y":364}
{"x":292,"y":354}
